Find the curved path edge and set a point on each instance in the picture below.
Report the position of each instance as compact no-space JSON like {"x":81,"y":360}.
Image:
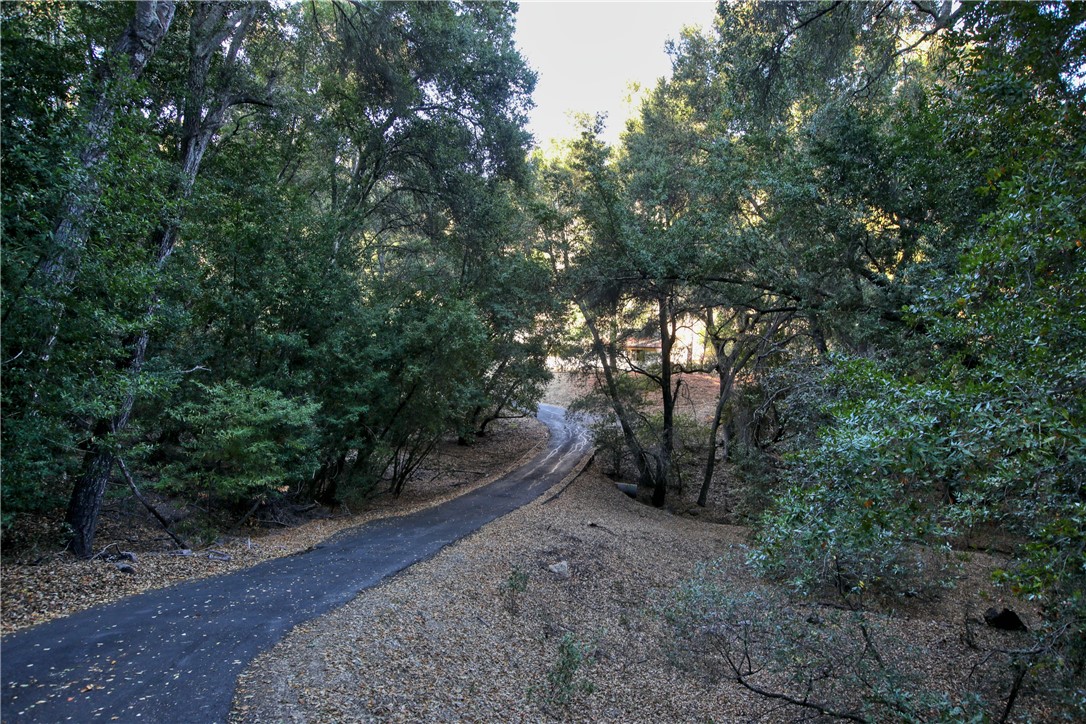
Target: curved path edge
{"x":174,"y":654}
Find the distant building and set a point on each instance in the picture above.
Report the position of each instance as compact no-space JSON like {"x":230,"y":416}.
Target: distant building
{"x":643,"y":351}
{"x":689,"y":348}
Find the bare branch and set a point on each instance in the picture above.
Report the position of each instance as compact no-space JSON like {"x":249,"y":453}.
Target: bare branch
{"x":743,"y":680}
{"x":945,"y":18}
{"x":146,"y":504}
{"x":197,"y":368}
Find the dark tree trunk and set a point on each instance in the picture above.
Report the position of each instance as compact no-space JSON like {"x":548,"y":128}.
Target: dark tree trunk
{"x":326,"y":481}
{"x":90,"y":486}
{"x":477,"y":429}
{"x":131,"y":53}
{"x":819,"y":338}
{"x":604,"y":356}
{"x":706,"y":485}
{"x":667,"y":446}
{"x":86,"y":500}
{"x":726,"y":379}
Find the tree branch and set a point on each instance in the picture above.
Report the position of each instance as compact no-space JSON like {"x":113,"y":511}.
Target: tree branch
{"x":181,"y":544}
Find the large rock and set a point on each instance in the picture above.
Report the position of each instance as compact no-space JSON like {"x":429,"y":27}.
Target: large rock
{"x":560,"y":569}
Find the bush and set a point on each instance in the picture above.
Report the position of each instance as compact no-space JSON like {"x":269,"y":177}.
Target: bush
{"x":513,"y":587}
{"x":566,"y":680}
{"x":242,"y":443}
{"x":861,"y":503}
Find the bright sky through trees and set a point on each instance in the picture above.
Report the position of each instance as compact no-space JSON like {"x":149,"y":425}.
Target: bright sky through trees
{"x":587,"y":53}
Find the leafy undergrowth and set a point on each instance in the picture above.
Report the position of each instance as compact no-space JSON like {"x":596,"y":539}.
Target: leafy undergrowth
{"x":40,"y":581}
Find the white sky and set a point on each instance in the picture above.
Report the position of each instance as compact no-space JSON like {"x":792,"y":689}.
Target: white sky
{"x":587,"y":53}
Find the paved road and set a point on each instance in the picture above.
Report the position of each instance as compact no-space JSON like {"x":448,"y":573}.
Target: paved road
{"x":174,"y":655}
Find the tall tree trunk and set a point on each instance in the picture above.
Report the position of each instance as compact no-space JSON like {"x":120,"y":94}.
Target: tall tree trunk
{"x":667,"y":435}
{"x":130,"y":55}
{"x":746,"y":344}
{"x":86,"y":500}
{"x":325,"y":486}
{"x":706,"y":484}
{"x":125,"y":64}
{"x":603,"y":356}
{"x":211,"y":27}
{"x":726,"y":380}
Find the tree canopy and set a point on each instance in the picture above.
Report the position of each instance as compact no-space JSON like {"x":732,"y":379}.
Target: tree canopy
{"x":267,"y":251}
{"x":874,"y":212}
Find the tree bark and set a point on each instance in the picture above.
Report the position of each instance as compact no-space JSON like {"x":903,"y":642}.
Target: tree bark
{"x":326,"y":480}
{"x":86,"y":500}
{"x":181,"y":544}
{"x":667,"y":436}
{"x":628,"y":435}
{"x":211,"y":27}
{"x":125,"y":64}
{"x":745,"y":345}
{"x":726,"y":381}
{"x":136,"y":45}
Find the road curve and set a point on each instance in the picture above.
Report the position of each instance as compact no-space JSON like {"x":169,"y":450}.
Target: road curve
{"x":174,"y":655}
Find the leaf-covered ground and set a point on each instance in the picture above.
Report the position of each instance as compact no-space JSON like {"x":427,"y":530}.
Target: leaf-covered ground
{"x":487,"y":631}
{"x":457,"y":639}
{"x":481,"y":632}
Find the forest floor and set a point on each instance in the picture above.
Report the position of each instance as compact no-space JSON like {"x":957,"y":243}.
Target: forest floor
{"x":40,"y":581}
{"x":487,"y":631}
{"x":456,"y":639}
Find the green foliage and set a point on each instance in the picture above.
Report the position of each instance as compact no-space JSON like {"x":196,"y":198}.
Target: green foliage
{"x":566,"y":680}
{"x":429,"y":371}
{"x":983,"y":426}
{"x":862,"y":507}
{"x":242,"y":443}
{"x":353,"y":241}
{"x":513,"y":586}
{"x":921,"y":210}
{"x":61,"y":340}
